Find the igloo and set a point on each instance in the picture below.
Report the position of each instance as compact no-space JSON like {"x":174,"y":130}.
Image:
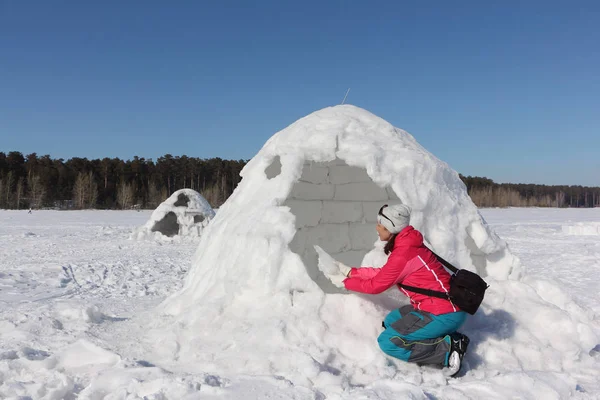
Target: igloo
{"x":255,"y":291}
{"x":255,"y":304}
{"x":323,"y":179}
{"x":184,"y":213}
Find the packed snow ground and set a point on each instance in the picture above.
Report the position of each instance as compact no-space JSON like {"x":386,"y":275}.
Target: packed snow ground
{"x":557,"y":245}
{"x":75,"y":292}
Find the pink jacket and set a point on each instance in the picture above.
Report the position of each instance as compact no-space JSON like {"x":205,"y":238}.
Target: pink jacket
{"x":409,"y":263}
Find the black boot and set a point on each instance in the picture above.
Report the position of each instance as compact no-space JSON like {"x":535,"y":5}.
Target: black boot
{"x":460,"y":342}
{"x":458,"y":348}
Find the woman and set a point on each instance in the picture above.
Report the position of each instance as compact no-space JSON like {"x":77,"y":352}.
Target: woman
{"x":423,"y":332}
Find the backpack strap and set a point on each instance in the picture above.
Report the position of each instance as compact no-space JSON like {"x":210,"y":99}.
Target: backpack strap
{"x":444,"y":262}
{"x":428,"y":292}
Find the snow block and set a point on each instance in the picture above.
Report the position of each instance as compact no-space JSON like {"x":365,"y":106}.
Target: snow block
{"x":362,"y":236}
{"x":582,"y":229}
{"x":312,"y":173}
{"x":337,"y":212}
{"x":362,"y":191}
{"x":310,"y":261}
{"x":370,"y":209}
{"x":351,"y":258}
{"x":307,"y":212}
{"x":310,"y":191}
{"x":340,"y":174}
{"x":333,"y":238}
{"x":298,"y":243}
{"x":333,"y":163}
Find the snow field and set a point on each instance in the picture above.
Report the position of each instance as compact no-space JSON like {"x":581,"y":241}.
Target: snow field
{"x":69,"y":342}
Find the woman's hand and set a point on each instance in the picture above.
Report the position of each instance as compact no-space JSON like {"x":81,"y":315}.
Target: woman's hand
{"x":334,"y":270}
{"x":344,"y":269}
{"x":337,"y":280}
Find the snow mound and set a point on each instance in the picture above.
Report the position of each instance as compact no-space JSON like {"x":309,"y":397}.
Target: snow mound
{"x":582,"y":229}
{"x":254,"y":301}
{"x":185,"y":213}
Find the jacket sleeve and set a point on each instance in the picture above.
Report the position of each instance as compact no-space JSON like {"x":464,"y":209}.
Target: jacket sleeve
{"x":385,"y":277}
{"x":364,"y":272}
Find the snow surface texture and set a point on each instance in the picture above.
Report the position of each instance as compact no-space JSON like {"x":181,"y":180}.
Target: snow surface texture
{"x":76,"y":335}
{"x":185,"y":214}
{"x":585,"y":229}
{"x":66,"y":278}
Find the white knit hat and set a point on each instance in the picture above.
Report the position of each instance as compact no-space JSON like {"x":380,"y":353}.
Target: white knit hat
{"x":395,"y":217}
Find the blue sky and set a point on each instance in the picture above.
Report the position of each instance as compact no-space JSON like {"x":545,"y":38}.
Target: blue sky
{"x":508,"y":90}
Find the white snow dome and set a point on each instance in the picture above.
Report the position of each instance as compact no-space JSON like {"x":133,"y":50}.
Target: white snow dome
{"x":254,"y":301}
{"x":322,"y":181}
{"x":184,"y":213}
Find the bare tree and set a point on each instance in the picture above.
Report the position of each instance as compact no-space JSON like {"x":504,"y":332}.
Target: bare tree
{"x":85,"y":191}
{"x":125,"y":195}
{"x":155,"y":196}
{"x":560,"y":199}
{"x":1,"y":193}
{"x":212,"y":194}
{"x":8,"y":189}
{"x":19,"y":192}
{"x":36,"y":191}
{"x":79,"y":191}
{"x":92,"y":190}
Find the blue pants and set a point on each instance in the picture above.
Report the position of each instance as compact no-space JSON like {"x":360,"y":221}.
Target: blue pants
{"x":419,"y":336}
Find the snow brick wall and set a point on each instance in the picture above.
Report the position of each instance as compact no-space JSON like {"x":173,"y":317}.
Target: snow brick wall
{"x":336,"y":208}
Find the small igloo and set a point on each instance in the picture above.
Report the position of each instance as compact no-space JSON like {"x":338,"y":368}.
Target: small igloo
{"x":184,"y":213}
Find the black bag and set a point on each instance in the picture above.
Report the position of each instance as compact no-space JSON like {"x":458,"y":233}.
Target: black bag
{"x":466,"y":288}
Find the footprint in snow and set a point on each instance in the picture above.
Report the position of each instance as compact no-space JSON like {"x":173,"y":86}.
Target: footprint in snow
{"x":34,"y":354}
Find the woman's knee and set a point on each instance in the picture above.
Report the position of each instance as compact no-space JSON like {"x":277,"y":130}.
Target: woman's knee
{"x":385,"y":345}
{"x":389,"y":347}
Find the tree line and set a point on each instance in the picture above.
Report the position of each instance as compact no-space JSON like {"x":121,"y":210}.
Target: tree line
{"x":486,"y":193}
{"x":41,"y":181}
